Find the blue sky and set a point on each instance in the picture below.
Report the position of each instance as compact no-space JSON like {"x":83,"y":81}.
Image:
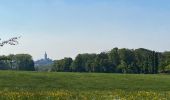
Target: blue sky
{"x":65,"y":28}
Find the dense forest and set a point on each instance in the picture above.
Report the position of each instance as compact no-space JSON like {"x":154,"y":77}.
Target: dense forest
{"x":117,"y":61}
{"x":17,"y":62}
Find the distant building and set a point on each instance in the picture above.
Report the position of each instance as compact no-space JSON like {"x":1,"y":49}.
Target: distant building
{"x":44,"y":62}
{"x":45,"y":56}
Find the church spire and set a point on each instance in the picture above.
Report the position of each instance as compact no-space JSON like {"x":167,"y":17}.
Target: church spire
{"x":45,"y":56}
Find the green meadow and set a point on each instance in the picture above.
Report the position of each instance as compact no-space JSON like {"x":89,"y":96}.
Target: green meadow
{"x":20,"y":85}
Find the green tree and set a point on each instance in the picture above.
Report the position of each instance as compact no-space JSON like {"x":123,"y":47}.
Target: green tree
{"x":77,"y":64}
{"x":24,"y":62}
{"x":127,"y":58}
{"x":114,"y":59}
{"x":4,"y":63}
{"x":83,"y":63}
{"x":63,"y":65}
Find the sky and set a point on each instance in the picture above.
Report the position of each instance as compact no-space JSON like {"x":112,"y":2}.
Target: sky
{"x":65,"y":28}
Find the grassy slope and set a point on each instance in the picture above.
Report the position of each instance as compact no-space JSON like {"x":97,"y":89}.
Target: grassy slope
{"x":82,"y":81}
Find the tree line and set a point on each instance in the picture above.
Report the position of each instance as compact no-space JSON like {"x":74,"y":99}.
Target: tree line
{"x":22,"y":62}
{"x":117,"y":61}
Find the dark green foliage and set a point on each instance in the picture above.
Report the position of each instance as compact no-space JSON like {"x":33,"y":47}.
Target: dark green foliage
{"x":78,"y":64}
{"x":118,"y":61}
{"x":84,"y":63}
{"x":17,"y":62}
{"x":114,"y":58}
{"x":24,"y":62}
{"x":62,"y":65}
{"x":164,"y":60}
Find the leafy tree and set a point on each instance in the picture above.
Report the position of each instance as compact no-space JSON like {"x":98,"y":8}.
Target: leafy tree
{"x":100,"y":61}
{"x":164,"y":60}
{"x":4,"y":63}
{"x":63,"y":65}
{"x":24,"y":62}
{"x":83,"y":63}
{"x":114,"y":58}
{"x":127,"y":58}
{"x":77,"y":64}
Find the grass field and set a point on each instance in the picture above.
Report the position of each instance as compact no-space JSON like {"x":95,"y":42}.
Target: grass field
{"x":75,"y":86}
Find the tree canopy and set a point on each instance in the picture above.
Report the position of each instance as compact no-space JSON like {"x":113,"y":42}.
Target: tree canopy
{"x":17,"y":62}
{"x":117,"y":61}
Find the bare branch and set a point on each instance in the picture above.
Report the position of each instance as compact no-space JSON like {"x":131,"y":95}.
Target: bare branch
{"x":12,"y":41}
